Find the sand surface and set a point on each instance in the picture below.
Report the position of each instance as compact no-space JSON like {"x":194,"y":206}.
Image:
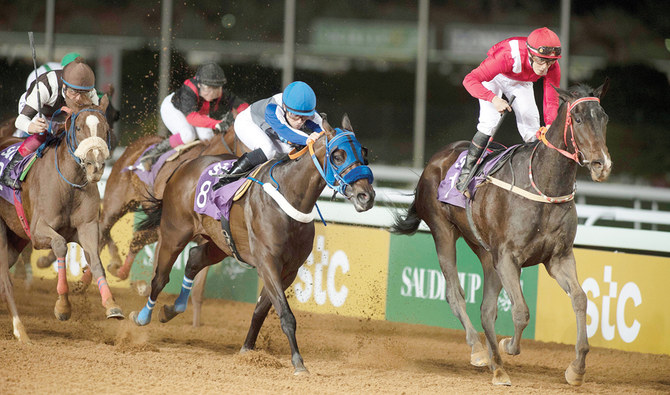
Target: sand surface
{"x":89,"y":354}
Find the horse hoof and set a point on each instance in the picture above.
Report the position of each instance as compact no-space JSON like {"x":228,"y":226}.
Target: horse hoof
{"x":301,"y":372}
{"x":115,"y":312}
{"x":62,"y":309}
{"x":167,"y":313}
{"x":572,"y":377}
{"x":44,"y":262}
{"x":113,"y":268}
{"x":500,"y":377}
{"x":133,"y":317}
{"x":21,"y":335}
{"x":502,"y":346}
{"x":480,"y":358}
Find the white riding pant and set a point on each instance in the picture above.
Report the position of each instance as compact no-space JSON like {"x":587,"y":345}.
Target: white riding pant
{"x":524,"y":106}
{"x":254,"y":137}
{"x":176,"y":122}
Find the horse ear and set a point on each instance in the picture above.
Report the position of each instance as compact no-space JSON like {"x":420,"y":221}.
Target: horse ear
{"x":602,"y":89}
{"x":563,"y":94}
{"x":104,"y":102}
{"x":330,"y":132}
{"x":346,"y":123}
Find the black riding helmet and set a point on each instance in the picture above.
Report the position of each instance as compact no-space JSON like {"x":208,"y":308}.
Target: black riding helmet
{"x":210,"y":74}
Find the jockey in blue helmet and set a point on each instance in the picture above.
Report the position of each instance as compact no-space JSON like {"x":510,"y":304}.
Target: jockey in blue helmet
{"x":275,"y":125}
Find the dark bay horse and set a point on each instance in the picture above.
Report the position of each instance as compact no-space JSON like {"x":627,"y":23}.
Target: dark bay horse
{"x":274,"y":241}
{"x":61,"y":204}
{"x":124,"y":191}
{"x":520,"y":228}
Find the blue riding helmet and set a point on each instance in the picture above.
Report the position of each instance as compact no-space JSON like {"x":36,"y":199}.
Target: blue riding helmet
{"x":299,"y":98}
{"x":344,"y":175}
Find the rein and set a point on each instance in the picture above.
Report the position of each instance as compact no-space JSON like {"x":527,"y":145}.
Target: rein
{"x":541,"y":136}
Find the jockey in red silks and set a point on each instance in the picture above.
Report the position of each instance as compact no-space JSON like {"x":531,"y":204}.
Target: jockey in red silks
{"x":200,"y":107}
{"x":510,"y":68}
{"x":70,"y":87}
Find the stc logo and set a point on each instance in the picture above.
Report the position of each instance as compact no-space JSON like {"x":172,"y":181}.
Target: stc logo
{"x":612,"y":298}
{"x":312,"y":276}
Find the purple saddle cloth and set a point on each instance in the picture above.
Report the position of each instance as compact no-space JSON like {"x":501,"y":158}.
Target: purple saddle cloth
{"x":447,"y":192}
{"x":149,"y":176}
{"x":6,"y":156}
{"x":215,"y":204}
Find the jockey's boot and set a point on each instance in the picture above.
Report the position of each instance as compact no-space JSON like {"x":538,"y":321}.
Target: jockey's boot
{"x":154,"y":153}
{"x":6,"y":175}
{"x":474,"y":152}
{"x":244,"y":164}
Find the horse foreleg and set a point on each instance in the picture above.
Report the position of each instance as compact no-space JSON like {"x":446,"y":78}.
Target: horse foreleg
{"x":257,"y":320}
{"x":565,"y":273}
{"x":199,"y":257}
{"x":445,"y":244}
{"x":43,"y":235}
{"x":510,"y":273}
{"x":7,"y":255}
{"x":197,"y":295}
{"x":166,"y":254}
{"x":139,"y":240}
{"x":489,"y":313}
{"x":275,"y":290}
{"x":87,"y":235}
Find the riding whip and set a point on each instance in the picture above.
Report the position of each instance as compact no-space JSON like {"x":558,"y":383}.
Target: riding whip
{"x":493,"y":132}
{"x":37,"y":85}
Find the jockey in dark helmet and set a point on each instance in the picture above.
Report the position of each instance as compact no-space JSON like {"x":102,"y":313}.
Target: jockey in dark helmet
{"x":275,"y":125}
{"x":74,"y":86}
{"x":198,"y":109}
{"x":511,"y":68}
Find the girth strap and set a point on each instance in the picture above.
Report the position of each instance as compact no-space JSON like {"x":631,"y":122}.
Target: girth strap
{"x":225,"y":226}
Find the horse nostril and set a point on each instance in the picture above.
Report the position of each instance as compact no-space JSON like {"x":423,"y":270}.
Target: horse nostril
{"x":363,"y":197}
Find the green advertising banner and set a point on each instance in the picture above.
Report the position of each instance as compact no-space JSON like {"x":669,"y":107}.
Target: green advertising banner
{"x":417,"y":289}
{"x":225,"y":280}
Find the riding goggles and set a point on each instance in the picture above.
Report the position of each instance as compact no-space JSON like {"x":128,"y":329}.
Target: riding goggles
{"x":546,"y":52}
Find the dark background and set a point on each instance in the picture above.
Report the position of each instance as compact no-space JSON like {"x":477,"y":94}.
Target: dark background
{"x":380,"y":103}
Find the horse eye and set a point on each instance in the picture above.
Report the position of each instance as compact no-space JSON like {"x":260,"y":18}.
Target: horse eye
{"x":338,"y":157}
{"x":578,"y":120}
{"x":364,"y":151}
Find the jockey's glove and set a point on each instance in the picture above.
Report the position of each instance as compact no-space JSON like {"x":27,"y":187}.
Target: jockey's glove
{"x":225,"y":123}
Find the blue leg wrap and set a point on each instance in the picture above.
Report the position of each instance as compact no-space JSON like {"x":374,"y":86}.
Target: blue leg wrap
{"x":144,"y":317}
{"x":182,"y":299}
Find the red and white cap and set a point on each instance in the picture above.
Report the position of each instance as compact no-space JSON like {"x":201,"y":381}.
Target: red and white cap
{"x":544,"y":43}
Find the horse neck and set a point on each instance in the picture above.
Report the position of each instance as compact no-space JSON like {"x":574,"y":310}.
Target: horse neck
{"x":300,"y":182}
{"x":554,"y":173}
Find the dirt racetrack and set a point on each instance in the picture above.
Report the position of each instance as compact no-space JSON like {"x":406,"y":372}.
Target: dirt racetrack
{"x":88,"y":354}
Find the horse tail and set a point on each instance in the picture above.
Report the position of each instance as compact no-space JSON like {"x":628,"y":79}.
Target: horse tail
{"x":407,"y":225}
{"x":153,"y":209}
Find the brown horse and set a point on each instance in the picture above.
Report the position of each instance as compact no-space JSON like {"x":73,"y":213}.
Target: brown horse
{"x":124,"y":191}
{"x":61,"y":204}
{"x":274,"y":236}
{"x":524,"y":227}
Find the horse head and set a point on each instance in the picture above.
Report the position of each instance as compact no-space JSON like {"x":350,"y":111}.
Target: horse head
{"x":346,"y":165}
{"x":88,"y":138}
{"x":587,"y":122}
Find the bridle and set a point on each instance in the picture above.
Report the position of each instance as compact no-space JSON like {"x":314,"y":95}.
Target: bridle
{"x":73,"y":144}
{"x":541,"y":135}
